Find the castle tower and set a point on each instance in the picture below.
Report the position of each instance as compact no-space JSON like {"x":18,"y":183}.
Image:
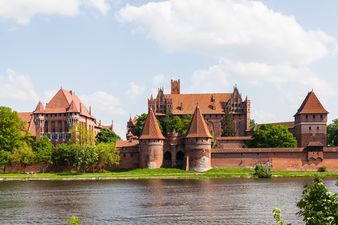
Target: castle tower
{"x":311,"y":122}
{"x":198,"y":144}
{"x":151,"y":143}
{"x":175,"y":86}
{"x":39,"y":120}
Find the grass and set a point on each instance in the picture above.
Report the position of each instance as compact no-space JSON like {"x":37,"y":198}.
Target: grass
{"x":169,"y":173}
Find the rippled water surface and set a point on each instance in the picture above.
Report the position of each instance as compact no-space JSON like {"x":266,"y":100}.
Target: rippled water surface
{"x":151,"y":202}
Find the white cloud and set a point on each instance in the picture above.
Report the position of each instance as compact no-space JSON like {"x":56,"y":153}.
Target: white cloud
{"x":21,"y":11}
{"x":160,"y":80}
{"x":17,"y":87}
{"x":103,"y":104}
{"x":237,"y":29}
{"x":134,"y":90}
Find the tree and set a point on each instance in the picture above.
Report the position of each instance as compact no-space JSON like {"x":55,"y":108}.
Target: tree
{"x":318,"y":205}
{"x":12,"y":129}
{"x":107,"y":136}
{"x":332,"y":133}
{"x":263,"y":171}
{"x":268,"y":136}
{"x":82,"y":135}
{"x":107,"y":154}
{"x":228,"y":125}
{"x":5,"y":159}
{"x":44,"y":150}
{"x":23,"y":155}
{"x":178,"y":123}
{"x":252,"y":123}
{"x":140,"y":120}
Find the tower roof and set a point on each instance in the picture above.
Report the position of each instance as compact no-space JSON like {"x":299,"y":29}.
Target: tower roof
{"x":198,"y":127}
{"x":311,"y":104}
{"x":73,"y":108}
{"x":39,"y":108}
{"x":151,"y":130}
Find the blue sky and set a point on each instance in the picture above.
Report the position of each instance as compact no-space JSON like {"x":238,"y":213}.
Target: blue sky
{"x":114,"y":54}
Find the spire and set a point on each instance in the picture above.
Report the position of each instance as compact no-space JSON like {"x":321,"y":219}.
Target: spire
{"x":72,"y":107}
{"x":39,"y":108}
{"x":151,"y":130}
{"x":198,"y":127}
{"x":311,"y":104}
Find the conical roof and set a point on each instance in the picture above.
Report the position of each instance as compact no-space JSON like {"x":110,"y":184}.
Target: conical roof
{"x":39,"y":108}
{"x":151,"y":130}
{"x":198,"y":127}
{"x":311,"y":104}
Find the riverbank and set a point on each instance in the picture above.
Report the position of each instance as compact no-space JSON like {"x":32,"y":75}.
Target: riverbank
{"x":158,"y":174}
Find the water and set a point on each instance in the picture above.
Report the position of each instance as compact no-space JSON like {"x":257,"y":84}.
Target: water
{"x":236,"y":201}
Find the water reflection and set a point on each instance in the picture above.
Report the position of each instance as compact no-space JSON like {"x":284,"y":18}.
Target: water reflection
{"x":151,"y":201}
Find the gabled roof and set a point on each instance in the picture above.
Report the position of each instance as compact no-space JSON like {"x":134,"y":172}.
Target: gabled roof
{"x":198,"y":127}
{"x":39,"y":108}
{"x":311,"y":104}
{"x":66,"y":101}
{"x":28,"y":118}
{"x":151,"y":130}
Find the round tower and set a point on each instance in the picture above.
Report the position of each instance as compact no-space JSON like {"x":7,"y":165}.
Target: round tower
{"x":198,"y":144}
{"x":151,"y":143}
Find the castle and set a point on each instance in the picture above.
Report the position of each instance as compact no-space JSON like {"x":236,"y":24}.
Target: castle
{"x":194,"y":150}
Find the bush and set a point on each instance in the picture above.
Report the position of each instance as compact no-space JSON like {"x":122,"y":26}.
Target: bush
{"x":322,"y":169}
{"x":263,"y":171}
{"x":74,"y":220}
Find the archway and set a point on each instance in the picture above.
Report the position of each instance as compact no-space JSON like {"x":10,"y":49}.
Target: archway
{"x":180,"y":159}
{"x":167,"y":159}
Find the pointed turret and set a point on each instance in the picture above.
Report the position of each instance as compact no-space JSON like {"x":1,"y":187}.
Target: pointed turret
{"x":311,"y":105}
{"x":151,"y":130}
{"x":198,"y":127}
{"x":72,"y":108}
{"x":39,"y":108}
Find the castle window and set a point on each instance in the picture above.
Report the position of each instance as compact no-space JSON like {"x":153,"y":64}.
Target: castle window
{"x":314,"y":116}
{"x":317,"y":128}
{"x":309,"y":128}
{"x":321,"y":116}
{"x":124,"y":155}
{"x":306,"y":116}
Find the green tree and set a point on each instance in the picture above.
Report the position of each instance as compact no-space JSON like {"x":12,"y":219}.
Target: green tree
{"x":5,"y":159}
{"x":107,"y":154}
{"x":178,"y":123}
{"x":107,"y":136}
{"x":318,"y":205}
{"x":23,"y":155}
{"x":252,"y":123}
{"x":228,"y":125}
{"x":140,"y":120}
{"x":268,"y":136}
{"x":82,"y":135}
{"x":332,"y":133}
{"x":263,"y":171}
{"x":44,"y":150}
{"x":12,"y":129}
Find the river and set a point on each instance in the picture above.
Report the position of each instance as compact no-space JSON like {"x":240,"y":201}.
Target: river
{"x":234,"y":201}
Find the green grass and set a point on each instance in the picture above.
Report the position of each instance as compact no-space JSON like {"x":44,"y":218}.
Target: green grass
{"x":160,"y":174}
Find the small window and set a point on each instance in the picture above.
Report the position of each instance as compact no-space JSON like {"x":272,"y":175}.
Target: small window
{"x":321,"y":116}
{"x":306,"y":116}
{"x":314,"y":116}
{"x":317,"y":128}
{"x":124,"y":155}
{"x":309,"y":128}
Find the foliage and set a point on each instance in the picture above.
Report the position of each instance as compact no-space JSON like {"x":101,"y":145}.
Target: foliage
{"x":277,"y":214}
{"x":318,"y":205}
{"x":80,"y":134}
{"x":178,"y":123}
{"x":107,"y":136}
{"x":269,"y":136}
{"x":263,"y":171}
{"x":228,"y":125}
{"x":23,"y":155}
{"x":322,"y":169}
{"x":44,"y":150}
{"x":140,"y":120}
{"x":332,"y":133}
{"x":252,"y":123}
{"x":11,"y":129}
{"x":107,"y":154}
{"x":74,"y":220}
{"x":5,"y":159}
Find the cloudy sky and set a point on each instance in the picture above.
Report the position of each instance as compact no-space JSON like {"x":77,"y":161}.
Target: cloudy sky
{"x":115,"y":53}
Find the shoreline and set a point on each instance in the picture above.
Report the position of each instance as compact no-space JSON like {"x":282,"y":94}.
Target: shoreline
{"x":162,"y":174}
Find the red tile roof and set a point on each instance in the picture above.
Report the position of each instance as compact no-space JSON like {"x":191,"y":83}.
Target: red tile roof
{"x":311,"y":104}
{"x":28,"y":118}
{"x":126,"y":144}
{"x":198,"y":128}
{"x":151,"y":130}
{"x":210,"y":103}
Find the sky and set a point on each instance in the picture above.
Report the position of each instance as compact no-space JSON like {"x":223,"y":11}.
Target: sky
{"x":115,"y":53}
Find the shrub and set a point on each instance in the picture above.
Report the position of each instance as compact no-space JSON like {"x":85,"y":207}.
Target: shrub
{"x":74,"y":220}
{"x":322,"y":169}
{"x":263,"y":171}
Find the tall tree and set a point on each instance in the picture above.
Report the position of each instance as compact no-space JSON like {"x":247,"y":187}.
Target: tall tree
{"x":332,"y":133}
{"x":228,"y":125}
{"x":269,"y":136}
{"x":140,"y":120}
{"x":12,"y":129}
{"x":23,"y":155}
{"x":107,"y":136}
{"x":44,"y":150}
{"x":5,"y":159}
{"x":82,"y":135}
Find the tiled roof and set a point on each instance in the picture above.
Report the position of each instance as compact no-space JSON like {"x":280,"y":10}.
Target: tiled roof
{"x":28,"y":118}
{"x":315,"y":144}
{"x":311,"y":104}
{"x":289,"y":124}
{"x":256,"y":150}
{"x":151,"y":130}
{"x":126,"y":144}
{"x":198,"y":128}
{"x":39,"y":108}
{"x":65,"y":101}
{"x":211,"y":103}
{"x":236,"y":138}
